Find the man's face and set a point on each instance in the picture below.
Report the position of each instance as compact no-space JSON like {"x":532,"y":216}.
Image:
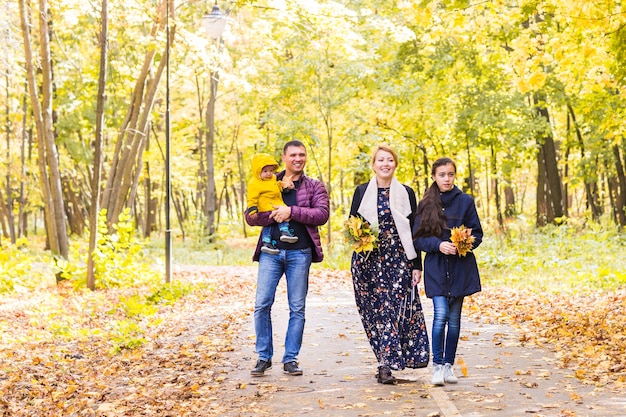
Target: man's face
{"x":294,"y":158}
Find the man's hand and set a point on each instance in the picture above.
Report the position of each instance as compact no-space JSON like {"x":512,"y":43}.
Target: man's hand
{"x":281,"y":214}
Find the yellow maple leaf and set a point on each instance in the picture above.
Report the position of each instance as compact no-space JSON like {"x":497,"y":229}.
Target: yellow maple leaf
{"x":462,"y":239}
{"x":360,"y":234}
{"x":461,"y":363}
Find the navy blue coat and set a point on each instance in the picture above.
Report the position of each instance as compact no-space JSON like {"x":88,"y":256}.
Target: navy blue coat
{"x":451,"y":275}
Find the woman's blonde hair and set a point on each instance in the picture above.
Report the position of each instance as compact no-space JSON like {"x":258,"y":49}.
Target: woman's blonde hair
{"x":386,"y":148}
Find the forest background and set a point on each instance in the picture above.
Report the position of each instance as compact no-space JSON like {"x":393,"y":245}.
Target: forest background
{"x":527,"y":96}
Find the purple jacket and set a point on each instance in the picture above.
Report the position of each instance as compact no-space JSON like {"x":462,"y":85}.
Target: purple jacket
{"x":312,"y":210}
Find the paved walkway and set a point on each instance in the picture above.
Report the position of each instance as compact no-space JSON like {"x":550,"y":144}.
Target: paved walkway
{"x":503,"y":378}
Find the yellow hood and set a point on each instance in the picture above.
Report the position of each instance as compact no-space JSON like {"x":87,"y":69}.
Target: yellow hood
{"x":261,"y":160}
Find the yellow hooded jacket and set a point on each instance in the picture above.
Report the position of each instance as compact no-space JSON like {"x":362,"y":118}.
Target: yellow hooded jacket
{"x":263,"y":195}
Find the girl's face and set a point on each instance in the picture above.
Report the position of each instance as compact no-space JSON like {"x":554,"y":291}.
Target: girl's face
{"x":444,"y":177}
{"x":268,"y":172}
{"x":384,"y":165}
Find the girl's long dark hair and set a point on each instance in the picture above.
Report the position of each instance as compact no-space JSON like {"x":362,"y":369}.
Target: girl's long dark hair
{"x":430,"y":209}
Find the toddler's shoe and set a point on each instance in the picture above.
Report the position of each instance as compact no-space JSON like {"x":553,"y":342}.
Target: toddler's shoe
{"x":268,"y":247}
{"x":287,"y":236}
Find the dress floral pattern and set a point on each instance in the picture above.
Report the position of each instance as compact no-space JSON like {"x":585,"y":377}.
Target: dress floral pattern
{"x":390,"y":308}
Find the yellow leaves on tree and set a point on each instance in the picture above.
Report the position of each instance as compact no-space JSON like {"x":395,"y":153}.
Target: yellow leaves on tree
{"x":462,"y":239}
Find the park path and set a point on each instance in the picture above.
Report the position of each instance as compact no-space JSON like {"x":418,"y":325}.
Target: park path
{"x":503,"y":377}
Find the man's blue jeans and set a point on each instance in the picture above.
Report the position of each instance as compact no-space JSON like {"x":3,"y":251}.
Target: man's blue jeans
{"x":295,"y":265}
{"x":447,"y":311}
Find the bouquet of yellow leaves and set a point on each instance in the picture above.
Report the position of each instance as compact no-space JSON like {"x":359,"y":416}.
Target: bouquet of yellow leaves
{"x":462,"y":239}
{"x":360,"y":234}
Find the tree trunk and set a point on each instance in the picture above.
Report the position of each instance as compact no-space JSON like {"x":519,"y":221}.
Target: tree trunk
{"x":200,"y":197}
{"x":75,"y":210}
{"x":242,"y":189}
{"x":542,"y":199}
{"x":51,"y":152}
{"x":210,"y":198}
{"x":589,"y":194}
{"x":509,"y":193}
{"x":48,"y":164}
{"x":131,"y":140}
{"x":152,"y":203}
{"x":620,"y":202}
{"x":3,"y":217}
{"x":553,"y":194}
{"x":22,"y":221}
{"x":509,"y":202}
{"x":177,"y":202}
{"x":9,"y":191}
{"x":469,"y":166}
{"x":496,"y":191}
{"x":97,"y":154}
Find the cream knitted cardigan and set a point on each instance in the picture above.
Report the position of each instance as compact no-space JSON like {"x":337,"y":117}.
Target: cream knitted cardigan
{"x":400,"y":211}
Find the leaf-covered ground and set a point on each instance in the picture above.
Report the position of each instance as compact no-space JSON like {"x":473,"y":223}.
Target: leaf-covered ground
{"x":586,"y":331}
{"x":57,"y":346}
{"x":56,"y":358}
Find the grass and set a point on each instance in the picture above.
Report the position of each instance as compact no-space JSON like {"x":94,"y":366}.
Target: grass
{"x":569,"y":258}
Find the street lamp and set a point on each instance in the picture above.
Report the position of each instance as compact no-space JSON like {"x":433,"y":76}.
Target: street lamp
{"x":168,"y":178}
{"x":214,"y":23}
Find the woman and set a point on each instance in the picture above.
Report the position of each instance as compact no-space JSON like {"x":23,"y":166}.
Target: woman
{"x":449,"y":276}
{"x":385,"y":279}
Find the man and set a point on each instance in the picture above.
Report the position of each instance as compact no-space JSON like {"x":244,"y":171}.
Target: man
{"x":306,"y":208}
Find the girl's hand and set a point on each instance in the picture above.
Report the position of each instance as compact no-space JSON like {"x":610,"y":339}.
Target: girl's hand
{"x":447,"y":248}
{"x":417,"y":277}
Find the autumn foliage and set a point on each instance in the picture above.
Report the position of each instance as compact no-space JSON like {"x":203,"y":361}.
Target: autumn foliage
{"x":125,"y":351}
{"x":585,"y":331}
{"x":361,"y":236}
{"x":462,"y":239}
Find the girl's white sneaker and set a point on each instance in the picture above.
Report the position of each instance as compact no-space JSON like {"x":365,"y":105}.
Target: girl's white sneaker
{"x":448,"y":374}
{"x":438,"y":378}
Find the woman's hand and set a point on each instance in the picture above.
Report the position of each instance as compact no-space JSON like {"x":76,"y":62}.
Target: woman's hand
{"x":447,"y":248}
{"x":417,"y":277}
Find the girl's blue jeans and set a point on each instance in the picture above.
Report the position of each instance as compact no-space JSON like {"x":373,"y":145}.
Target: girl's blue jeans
{"x":447,"y":312}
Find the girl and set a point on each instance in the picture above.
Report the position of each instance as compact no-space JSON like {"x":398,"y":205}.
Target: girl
{"x":448,"y":276}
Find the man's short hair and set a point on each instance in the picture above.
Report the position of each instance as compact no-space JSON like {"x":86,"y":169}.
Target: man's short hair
{"x":295,"y":143}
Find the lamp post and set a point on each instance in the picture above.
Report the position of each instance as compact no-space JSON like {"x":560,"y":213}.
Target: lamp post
{"x":168,"y":177}
{"x":214,"y":23}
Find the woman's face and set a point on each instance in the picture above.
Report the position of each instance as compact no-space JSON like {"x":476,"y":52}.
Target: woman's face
{"x":384,"y":166}
{"x":444,"y":177}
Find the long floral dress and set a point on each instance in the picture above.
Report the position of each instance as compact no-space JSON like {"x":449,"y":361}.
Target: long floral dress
{"x":389,"y":306}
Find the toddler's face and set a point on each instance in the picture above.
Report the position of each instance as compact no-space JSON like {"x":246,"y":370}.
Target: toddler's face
{"x":267,"y":172}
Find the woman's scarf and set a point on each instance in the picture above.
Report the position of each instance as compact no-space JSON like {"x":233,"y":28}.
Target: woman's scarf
{"x":400,"y":211}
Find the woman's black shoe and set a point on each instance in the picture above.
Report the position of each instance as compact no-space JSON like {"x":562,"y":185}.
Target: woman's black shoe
{"x":384,"y":375}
